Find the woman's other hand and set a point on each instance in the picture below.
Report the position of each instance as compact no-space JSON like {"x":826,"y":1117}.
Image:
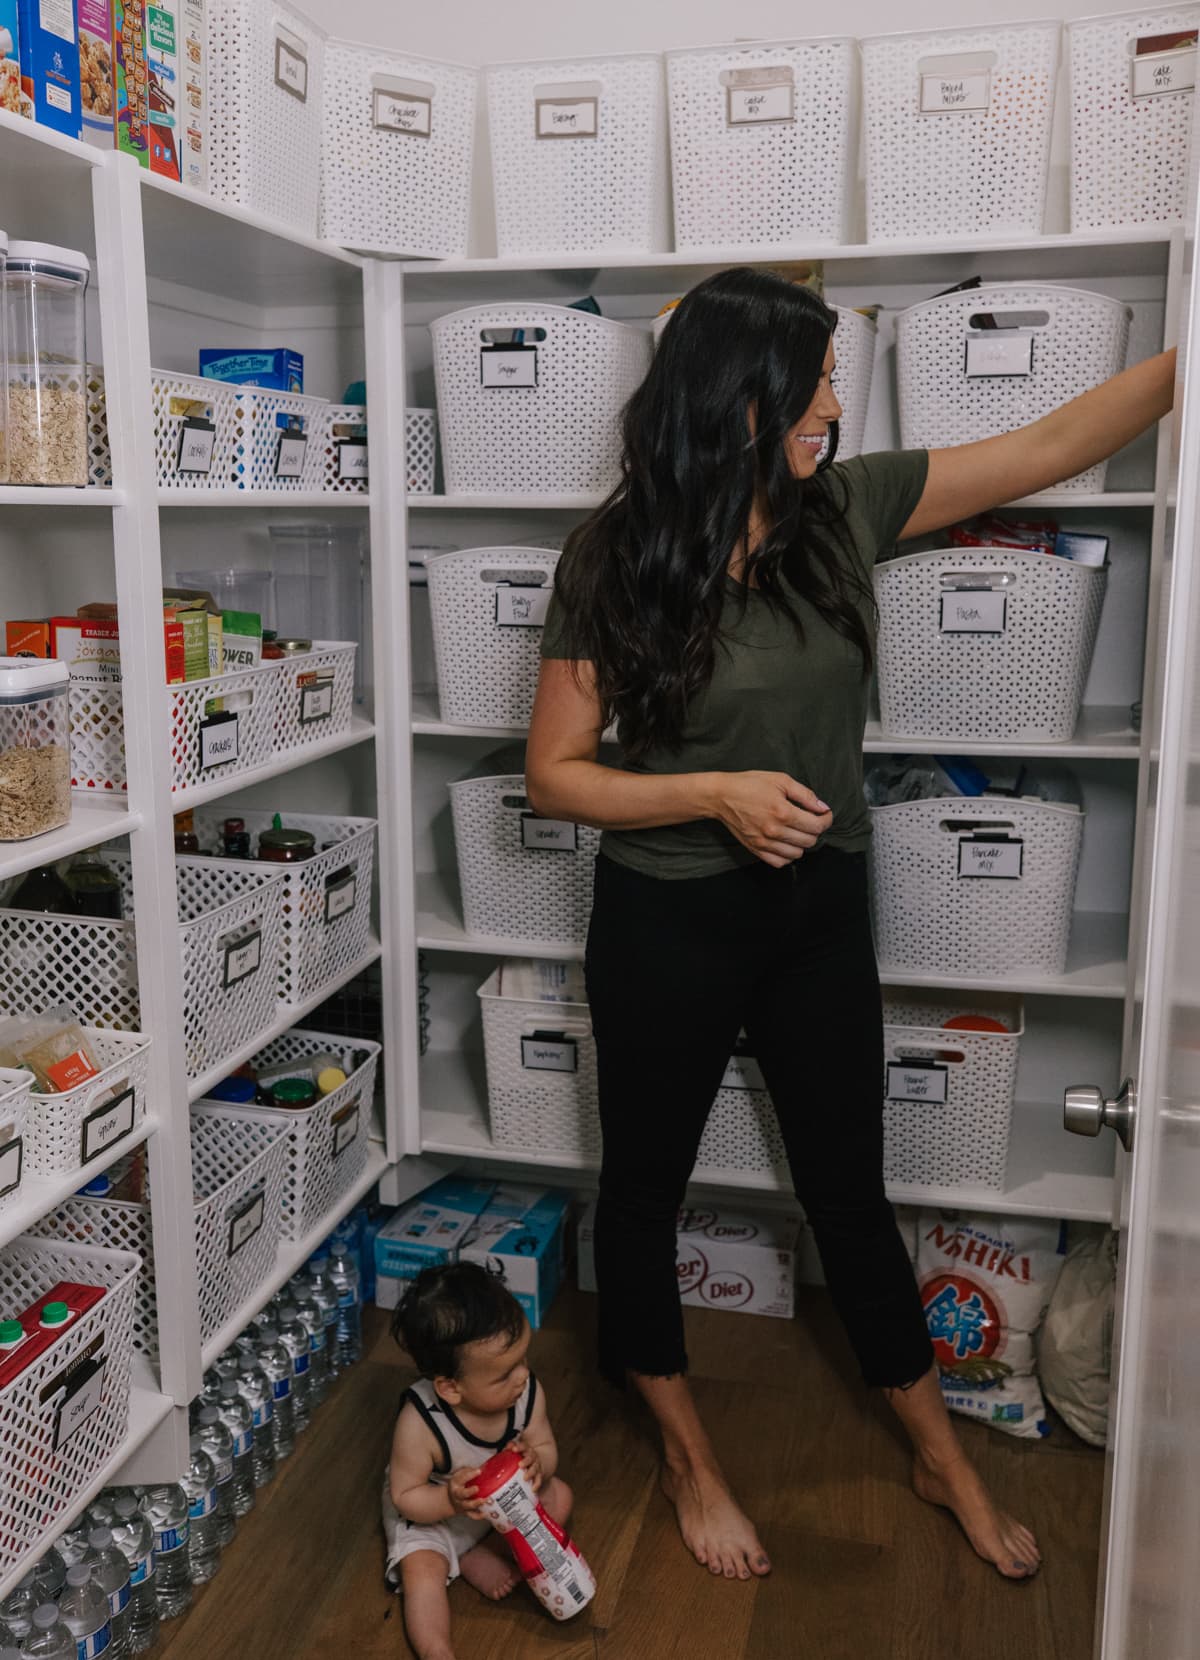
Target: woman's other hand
{"x":772,"y":815}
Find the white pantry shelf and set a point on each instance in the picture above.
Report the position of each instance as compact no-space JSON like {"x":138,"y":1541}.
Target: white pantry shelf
{"x":38,"y":1195}
{"x":283,"y":501}
{"x":95,"y":819}
{"x":60,"y":495}
{"x":359,"y":731}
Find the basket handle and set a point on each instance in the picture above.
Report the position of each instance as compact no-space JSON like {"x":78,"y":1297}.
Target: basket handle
{"x":515,"y":803}
{"x":533,"y":333}
{"x":559,"y":1031}
{"x":927,"y":1052}
{"x":968,"y":826}
{"x":965,"y":582}
{"x":514,"y":575}
{"x":1011,"y":317}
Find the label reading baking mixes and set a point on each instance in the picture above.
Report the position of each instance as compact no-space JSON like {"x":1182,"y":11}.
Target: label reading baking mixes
{"x":395,"y":113}
{"x":106,"y":1124}
{"x":12,"y":1157}
{"x":743,"y":1072}
{"x":1171,"y":68}
{"x":245,"y":1223}
{"x":218,"y":740}
{"x":522,"y":607}
{"x":345,"y":1127}
{"x":973,"y":611}
{"x":956,"y":94}
{"x":549,"y":1054}
{"x":197,"y":440}
{"x":991,"y":857}
{"x":567,"y":117}
{"x":289,"y":454}
{"x":291,"y":68}
{"x":548,"y":835}
{"x":242,"y":959}
{"x":759,"y":95}
{"x":316,"y":696}
{"x":922,"y":1082}
{"x":341,"y":890}
{"x":998,"y":354}
{"x":501,"y":367}
{"x":85,"y":1391}
{"x":352,"y":458}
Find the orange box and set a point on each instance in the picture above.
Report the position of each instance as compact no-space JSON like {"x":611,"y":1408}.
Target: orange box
{"x":27,"y":639}
{"x":173,"y":648}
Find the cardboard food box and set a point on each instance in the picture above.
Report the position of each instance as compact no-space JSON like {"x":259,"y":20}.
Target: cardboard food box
{"x":193,"y":84}
{"x":96,"y":86}
{"x":163,"y":86}
{"x":744,"y":1261}
{"x":49,"y":47}
{"x":427,"y":1230}
{"x":90,"y":648}
{"x":14,"y":100}
{"x":278,"y":369}
{"x":522,"y":1235}
{"x":131,"y":79}
{"x":27,"y":639}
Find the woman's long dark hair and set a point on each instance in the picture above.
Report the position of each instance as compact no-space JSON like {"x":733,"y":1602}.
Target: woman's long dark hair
{"x":643,"y":580}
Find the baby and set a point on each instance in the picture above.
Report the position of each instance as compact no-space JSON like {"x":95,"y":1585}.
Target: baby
{"x":469,"y":1339}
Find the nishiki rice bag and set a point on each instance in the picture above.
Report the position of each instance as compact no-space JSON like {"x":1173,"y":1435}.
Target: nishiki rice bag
{"x":985,"y":1282}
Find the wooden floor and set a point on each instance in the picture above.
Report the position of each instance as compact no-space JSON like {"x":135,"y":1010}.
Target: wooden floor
{"x":863,"y":1571}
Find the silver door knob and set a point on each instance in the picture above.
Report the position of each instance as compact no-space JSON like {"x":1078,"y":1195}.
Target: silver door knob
{"x":1086,"y":1112}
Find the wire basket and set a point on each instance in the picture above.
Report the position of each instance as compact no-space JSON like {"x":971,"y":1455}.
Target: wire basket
{"x":194,"y":424}
{"x":277,"y":440}
{"x":14,"y":1124}
{"x":487,"y":606}
{"x":314,"y":695}
{"x":69,"y":1129}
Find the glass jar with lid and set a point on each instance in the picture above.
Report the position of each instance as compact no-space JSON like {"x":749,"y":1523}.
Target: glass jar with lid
{"x":44,"y":290}
{"x":285,"y":846}
{"x":35,"y":747}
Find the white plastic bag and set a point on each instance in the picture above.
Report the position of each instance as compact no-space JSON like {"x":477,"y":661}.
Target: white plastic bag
{"x":1075,"y":1343}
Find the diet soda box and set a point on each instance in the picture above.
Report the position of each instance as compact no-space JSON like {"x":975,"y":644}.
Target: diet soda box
{"x":427,"y":1230}
{"x":745,"y":1261}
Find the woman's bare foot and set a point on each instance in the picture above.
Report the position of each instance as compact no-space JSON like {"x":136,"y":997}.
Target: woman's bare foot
{"x":1001,"y":1540}
{"x":489,"y":1567}
{"x":715,"y":1528}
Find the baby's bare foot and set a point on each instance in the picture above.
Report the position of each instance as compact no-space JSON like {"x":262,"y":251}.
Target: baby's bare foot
{"x":715,"y":1528}
{"x":1000,"y":1539}
{"x":490,"y":1569}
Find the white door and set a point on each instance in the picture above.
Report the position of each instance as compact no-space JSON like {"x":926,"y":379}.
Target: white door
{"x":1149,"y":1604}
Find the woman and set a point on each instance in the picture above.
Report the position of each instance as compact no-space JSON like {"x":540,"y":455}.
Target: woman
{"x":718,"y":608}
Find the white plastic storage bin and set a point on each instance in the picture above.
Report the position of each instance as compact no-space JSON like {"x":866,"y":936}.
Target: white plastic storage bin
{"x":278,"y":440}
{"x":194,"y":425}
{"x":487,"y":606}
{"x":579,"y":155}
{"x":420,"y":450}
{"x":1132,"y":99}
{"x":985,"y":643}
{"x":956,"y":130}
{"x":69,"y":1129}
{"x":345,"y":455}
{"x":854,"y":370}
{"x":397,"y":144}
{"x":974,"y":886}
{"x":326,"y":899}
{"x":990,"y":359}
{"x":314,"y":695}
{"x":948,"y":1096}
{"x":265,"y":68}
{"x":326,"y":1143}
{"x":46,"y":1463}
{"x":14,"y":1132}
{"x":523,"y":877}
{"x":540,"y":416}
{"x":763,"y":141}
{"x":238,"y":1166}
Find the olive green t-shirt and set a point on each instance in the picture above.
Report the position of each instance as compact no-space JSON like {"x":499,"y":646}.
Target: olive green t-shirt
{"x":776,"y":702}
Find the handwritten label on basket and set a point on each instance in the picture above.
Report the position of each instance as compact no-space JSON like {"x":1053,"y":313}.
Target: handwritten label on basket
{"x":998,"y":354}
{"x":84,"y":1394}
{"x":291,"y":68}
{"x":402,"y":114}
{"x":107,"y":1124}
{"x":219,"y":740}
{"x":743,"y":1072}
{"x":767,"y":93}
{"x":925,"y":1082}
{"x":973,"y":611}
{"x":243,"y":957}
{"x":521,"y":607}
{"x":345,"y":1127}
{"x":352,"y":458}
{"x":503,"y":367}
{"x":549,"y":1052}
{"x":12,"y":1159}
{"x":245,"y":1223}
{"x":341,"y":891}
{"x":548,"y":835}
{"x":290,"y":453}
{"x":197,"y":439}
{"x":956,"y":94}
{"x":1156,"y":73}
{"x":998,"y":858}
{"x":567,"y":117}
{"x":316,"y":696}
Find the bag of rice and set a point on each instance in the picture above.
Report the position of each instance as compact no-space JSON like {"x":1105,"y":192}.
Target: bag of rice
{"x":985,"y":1282}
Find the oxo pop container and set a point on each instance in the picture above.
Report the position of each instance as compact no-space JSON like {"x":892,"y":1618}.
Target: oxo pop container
{"x":46,"y":376}
{"x":35,"y":747}
{"x":3,"y":351}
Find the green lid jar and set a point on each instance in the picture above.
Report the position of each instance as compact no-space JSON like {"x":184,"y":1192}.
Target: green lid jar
{"x":294,"y":1094}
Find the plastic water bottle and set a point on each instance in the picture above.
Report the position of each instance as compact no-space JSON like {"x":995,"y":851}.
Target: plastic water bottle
{"x":134,"y":1538}
{"x":167,"y":1513}
{"x":218,"y":1444}
{"x":84,"y":1612}
{"x":255,"y":1389}
{"x":50,"y":1639}
{"x":294,"y":1338}
{"x":321,"y":1290}
{"x":344,"y":1277}
{"x":100,"y":1512}
{"x":50,"y":1575}
{"x":111,"y":1573}
{"x":200,"y":1485}
{"x":238,"y":1420}
{"x":276,"y":1362}
{"x":17,"y":1610}
{"x":72,"y":1545}
{"x":313,"y":1321}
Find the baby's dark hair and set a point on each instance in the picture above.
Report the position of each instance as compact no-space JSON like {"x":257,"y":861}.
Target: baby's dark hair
{"x":448,"y":1306}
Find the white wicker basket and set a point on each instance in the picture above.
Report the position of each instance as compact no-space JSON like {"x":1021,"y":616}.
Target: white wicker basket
{"x":68,"y":1130}
{"x":985,"y":643}
{"x":326,"y":909}
{"x":397,"y":144}
{"x":48,"y":1454}
{"x":278,"y":440}
{"x":314,"y":695}
{"x":265,"y":69}
{"x":935,"y":911}
{"x":544,"y":416}
{"x":523,"y":877}
{"x":327,"y":1143}
{"x":956,"y":130}
{"x":948,"y":1096}
{"x":420,"y":450}
{"x":854,"y":351}
{"x":345,"y":457}
{"x":961,"y":377}
{"x":99,"y":452}
{"x":175,"y":399}
{"x":763,"y":141}
{"x":487,"y":607}
{"x":1131,"y":119}
{"x":14,"y":1132}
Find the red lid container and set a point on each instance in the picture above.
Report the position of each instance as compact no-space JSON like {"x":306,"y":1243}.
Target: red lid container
{"x":495,"y":1473}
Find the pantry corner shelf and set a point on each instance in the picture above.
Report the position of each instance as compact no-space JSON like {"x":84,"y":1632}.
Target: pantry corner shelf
{"x":95,"y":819}
{"x":38,"y":1195}
{"x":359,"y":731}
{"x":56,"y":495}
{"x":284,"y":501}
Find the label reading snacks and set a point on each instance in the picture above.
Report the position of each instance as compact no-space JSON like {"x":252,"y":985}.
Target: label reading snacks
{"x":197,"y":439}
{"x":518,"y":607}
{"x":106,"y":1125}
{"x":973,"y":611}
{"x":218,"y":740}
{"x":956,"y":94}
{"x":548,"y":835}
{"x":567,"y":117}
{"x":345,"y":1127}
{"x":549,"y":1052}
{"x":12,"y":1158}
{"x":502,"y":367}
{"x":243,"y":957}
{"x":245,"y":1223}
{"x":917,"y":1081}
{"x":991,"y":857}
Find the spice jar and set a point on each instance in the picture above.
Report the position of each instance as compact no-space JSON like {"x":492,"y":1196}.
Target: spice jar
{"x":285,"y":846}
{"x":35,"y":747}
{"x":47,"y":364}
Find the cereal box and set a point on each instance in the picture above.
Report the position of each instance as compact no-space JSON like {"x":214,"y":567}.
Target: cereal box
{"x":132,"y":79}
{"x":193,"y":70}
{"x":162,"y":69}
{"x":14,"y":100}
{"x":97,"y":96}
{"x":49,"y":45}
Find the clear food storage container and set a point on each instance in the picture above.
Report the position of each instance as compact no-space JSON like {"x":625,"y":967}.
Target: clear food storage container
{"x":44,"y":291}
{"x":35,"y":747}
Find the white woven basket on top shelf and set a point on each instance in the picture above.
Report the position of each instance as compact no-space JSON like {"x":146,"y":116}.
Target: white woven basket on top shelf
{"x":763,"y":141}
{"x":935,"y":913}
{"x":988,"y":360}
{"x":14,"y":1128}
{"x":985,"y":643}
{"x":202,"y":460}
{"x":579,"y":155}
{"x":539,"y":417}
{"x":397,"y":144}
{"x":62,"y":1418}
{"x":487,"y":607}
{"x":1131,"y":118}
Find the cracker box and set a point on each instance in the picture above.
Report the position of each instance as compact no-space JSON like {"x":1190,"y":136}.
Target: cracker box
{"x":14,"y":100}
{"x":96,"y":90}
{"x":49,"y":47}
{"x":426,"y":1231}
{"x":744,"y":1261}
{"x":193,"y":87}
{"x":277,"y":369}
{"x":131,"y":79}
{"x":521,"y":1234}
{"x":163,"y":94}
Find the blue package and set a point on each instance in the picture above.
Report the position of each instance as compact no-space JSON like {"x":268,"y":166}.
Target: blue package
{"x":522,"y":1235}
{"x":48,"y":33}
{"x":377,"y":1216}
{"x":278,"y":369}
{"x":426,"y":1231}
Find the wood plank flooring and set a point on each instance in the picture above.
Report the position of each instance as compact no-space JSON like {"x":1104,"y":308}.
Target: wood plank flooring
{"x":863,"y":1570}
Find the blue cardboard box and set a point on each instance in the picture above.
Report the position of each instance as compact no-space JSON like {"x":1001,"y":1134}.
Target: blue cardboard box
{"x":522,"y":1234}
{"x":49,"y":47}
{"x":427,"y":1230}
{"x":278,"y":369}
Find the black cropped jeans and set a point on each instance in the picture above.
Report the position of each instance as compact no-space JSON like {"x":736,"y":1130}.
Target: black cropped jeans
{"x":675,"y":969}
